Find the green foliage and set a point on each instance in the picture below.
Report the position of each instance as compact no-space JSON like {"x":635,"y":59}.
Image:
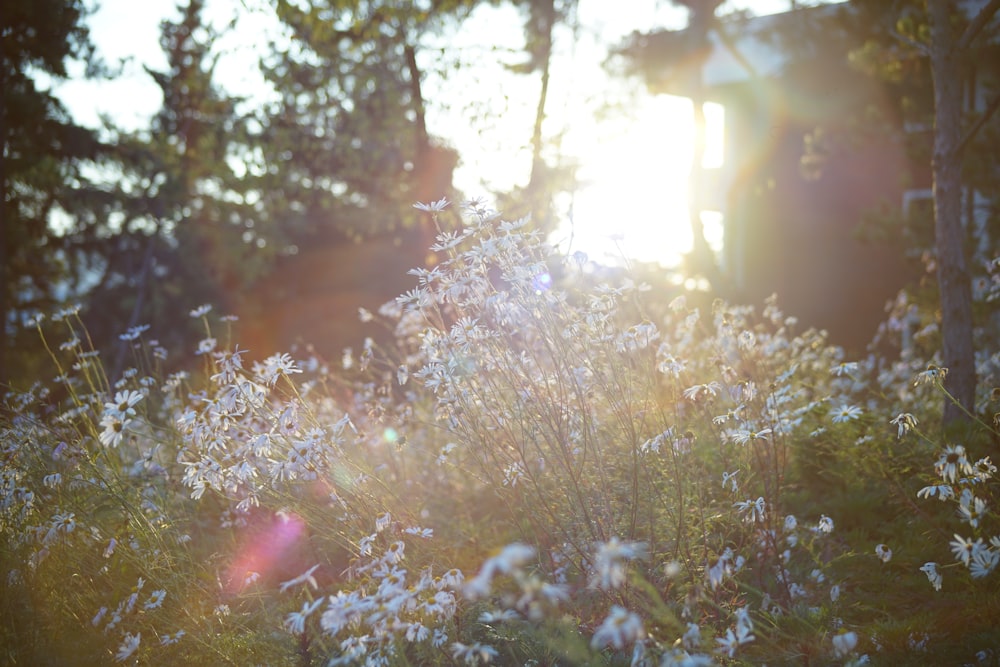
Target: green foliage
{"x":40,"y":166}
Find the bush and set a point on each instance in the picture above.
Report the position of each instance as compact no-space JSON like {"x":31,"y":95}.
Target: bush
{"x":544,"y":468}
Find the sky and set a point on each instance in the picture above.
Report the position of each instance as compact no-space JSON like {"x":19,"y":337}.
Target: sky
{"x":634,"y":167}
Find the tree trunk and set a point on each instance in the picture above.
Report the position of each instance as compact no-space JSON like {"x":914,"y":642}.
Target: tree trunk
{"x":700,"y":20}
{"x":536,"y":181}
{"x":952,"y":273}
{"x":4,"y":260}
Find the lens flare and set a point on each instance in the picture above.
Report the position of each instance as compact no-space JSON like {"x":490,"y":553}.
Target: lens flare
{"x":264,"y":549}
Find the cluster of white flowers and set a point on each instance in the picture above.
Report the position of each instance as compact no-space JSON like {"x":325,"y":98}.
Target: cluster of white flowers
{"x":385,"y":606}
{"x":577,"y":405}
{"x":245,"y":437}
{"x":963,"y":482}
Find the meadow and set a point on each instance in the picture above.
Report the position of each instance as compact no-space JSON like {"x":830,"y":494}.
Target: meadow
{"x":536,"y":465}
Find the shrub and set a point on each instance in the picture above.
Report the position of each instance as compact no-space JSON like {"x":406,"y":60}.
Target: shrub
{"x":545,"y":467}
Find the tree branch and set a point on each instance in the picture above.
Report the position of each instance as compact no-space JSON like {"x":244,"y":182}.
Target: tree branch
{"x":988,"y":112}
{"x":919,"y":47}
{"x":977,"y":25}
{"x":730,"y":44}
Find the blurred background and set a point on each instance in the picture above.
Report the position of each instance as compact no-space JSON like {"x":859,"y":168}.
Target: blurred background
{"x":264,"y":155}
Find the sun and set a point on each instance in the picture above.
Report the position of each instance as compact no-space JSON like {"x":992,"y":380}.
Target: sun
{"x":635,"y":174}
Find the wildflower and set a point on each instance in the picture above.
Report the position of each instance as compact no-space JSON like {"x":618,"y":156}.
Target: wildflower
{"x":510,"y":558}
{"x":942,"y":491}
{"x":123,"y":404}
{"x":499,"y":616}
{"x":730,"y":479}
{"x":513,"y":474}
{"x":382,"y":522}
{"x":734,"y":639}
{"x":114,"y":430}
{"x":417,"y":632}
{"x":692,"y":636}
{"x":434,"y":206}
{"x":417,"y":531}
{"x":791,"y":523}
{"x":720,"y":570}
{"x":844,"y":643}
{"x":155,"y":600}
{"x":116,"y":618}
{"x":474,"y":653}
{"x":133,"y":333}
{"x":304,"y":578}
{"x":972,"y":509}
{"x":609,"y":568}
{"x":621,"y":627}
{"x":668,"y":364}
{"x":441,"y":604}
{"x":952,"y":463}
{"x":846,"y":413}
{"x":834,"y":593}
{"x":167,"y":640}
{"x":206,"y":345}
{"x":67,"y":311}
{"x":751,"y":510}
{"x":883,"y":552}
{"x":128,"y":646}
{"x":984,"y":469}
{"x":201,"y":311}
{"x":275,"y":366}
{"x":70,"y":344}
{"x":710,"y":389}
{"x":351,"y":649}
{"x":453,"y":578}
{"x":844,"y":368}
{"x":395,"y":553}
{"x":98,"y":616}
{"x":825,"y":524}
{"x":681,"y":658}
{"x":983,"y":562}
{"x":904,"y":422}
{"x":965,"y":549}
{"x":344,"y":609}
{"x":745,"y":391}
{"x":743,"y":436}
{"x":930,"y":569}
{"x":61,"y":523}
{"x":295,"y":622}
{"x":932,"y":375}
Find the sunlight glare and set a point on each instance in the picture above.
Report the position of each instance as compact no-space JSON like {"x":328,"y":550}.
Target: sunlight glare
{"x":634,"y":200}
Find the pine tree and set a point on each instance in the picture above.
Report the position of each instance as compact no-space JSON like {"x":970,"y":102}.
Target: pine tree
{"x":44,"y":152}
{"x":187,"y":232}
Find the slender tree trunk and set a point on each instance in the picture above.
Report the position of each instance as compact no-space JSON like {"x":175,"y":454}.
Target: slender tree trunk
{"x":952,"y":273}
{"x":701,"y":18}
{"x":423,"y":140}
{"x":701,"y":252}
{"x":536,"y":185}
{"x":4,"y":259}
